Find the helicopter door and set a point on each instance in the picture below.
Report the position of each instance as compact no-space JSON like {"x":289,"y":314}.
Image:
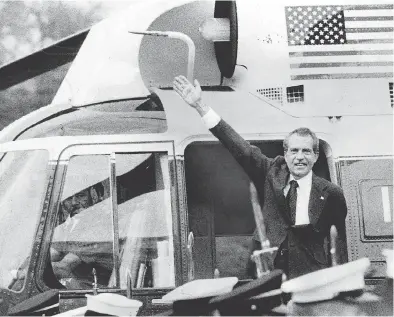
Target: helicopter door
{"x":368,"y":189}
{"x":114,"y":218}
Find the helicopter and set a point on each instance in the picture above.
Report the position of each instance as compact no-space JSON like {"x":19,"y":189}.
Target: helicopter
{"x":114,"y":174}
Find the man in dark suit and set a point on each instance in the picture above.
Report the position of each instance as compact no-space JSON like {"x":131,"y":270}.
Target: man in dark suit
{"x":298,"y":207}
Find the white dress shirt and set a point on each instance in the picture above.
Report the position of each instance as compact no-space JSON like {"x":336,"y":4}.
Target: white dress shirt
{"x":211,"y":119}
{"x":303,"y":194}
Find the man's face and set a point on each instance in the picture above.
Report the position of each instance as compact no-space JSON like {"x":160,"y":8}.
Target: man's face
{"x":67,"y":205}
{"x":80,"y":201}
{"x":300,"y":156}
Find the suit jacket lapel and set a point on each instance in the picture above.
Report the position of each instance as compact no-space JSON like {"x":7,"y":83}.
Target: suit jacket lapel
{"x":279,"y":183}
{"x":317,"y":199}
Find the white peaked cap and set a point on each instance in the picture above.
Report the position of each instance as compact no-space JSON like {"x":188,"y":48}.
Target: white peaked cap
{"x":327,"y":283}
{"x":113,"y":304}
{"x":201,"y":288}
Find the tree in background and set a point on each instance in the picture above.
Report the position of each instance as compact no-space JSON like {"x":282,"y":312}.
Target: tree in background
{"x":26,"y":27}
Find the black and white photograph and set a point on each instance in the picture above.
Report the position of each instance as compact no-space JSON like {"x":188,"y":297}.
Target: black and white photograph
{"x":196,"y":157}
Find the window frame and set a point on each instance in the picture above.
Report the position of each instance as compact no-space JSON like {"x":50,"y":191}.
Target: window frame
{"x":37,"y":232}
{"x":110,"y":149}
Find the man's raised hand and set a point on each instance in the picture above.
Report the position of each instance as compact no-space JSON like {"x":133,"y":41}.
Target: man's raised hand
{"x":191,"y":94}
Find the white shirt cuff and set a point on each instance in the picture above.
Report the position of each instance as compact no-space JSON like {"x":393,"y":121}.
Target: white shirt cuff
{"x":211,"y":119}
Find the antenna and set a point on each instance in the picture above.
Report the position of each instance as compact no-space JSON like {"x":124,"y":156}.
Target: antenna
{"x":180,"y":36}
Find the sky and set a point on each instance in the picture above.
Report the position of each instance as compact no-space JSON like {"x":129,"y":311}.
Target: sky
{"x":108,"y":5}
{"x":107,"y":8}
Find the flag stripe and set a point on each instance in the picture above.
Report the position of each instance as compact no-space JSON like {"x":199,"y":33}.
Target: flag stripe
{"x":369,"y":18}
{"x":331,"y":53}
{"x":369,"y":13}
{"x":342,"y":70}
{"x":338,"y":59}
{"x":369,"y":24}
{"x":343,"y":47}
{"x":377,"y":35}
{"x":366,"y":30}
{"x":370,"y":41}
{"x":340,"y":64}
{"x":342,"y":76}
{"x":369,"y":7}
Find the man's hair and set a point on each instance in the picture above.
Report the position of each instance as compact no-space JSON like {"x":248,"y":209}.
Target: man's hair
{"x":302,"y":132}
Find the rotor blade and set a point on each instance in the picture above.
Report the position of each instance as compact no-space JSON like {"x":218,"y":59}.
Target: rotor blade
{"x":41,"y":61}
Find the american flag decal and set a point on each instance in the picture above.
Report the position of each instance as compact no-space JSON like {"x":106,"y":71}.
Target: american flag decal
{"x":335,"y":42}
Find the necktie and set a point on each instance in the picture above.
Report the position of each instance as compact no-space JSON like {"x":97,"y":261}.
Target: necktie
{"x":292,"y":200}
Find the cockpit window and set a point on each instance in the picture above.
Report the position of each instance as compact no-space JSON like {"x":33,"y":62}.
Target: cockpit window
{"x":148,"y":103}
{"x":23,"y":182}
{"x":86,"y":234}
{"x":129,"y":116}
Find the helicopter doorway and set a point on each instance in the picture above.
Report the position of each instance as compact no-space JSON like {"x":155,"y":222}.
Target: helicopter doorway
{"x":219,"y":206}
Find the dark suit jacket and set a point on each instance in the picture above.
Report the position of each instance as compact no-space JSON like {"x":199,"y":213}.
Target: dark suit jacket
{"x":327,"y":205}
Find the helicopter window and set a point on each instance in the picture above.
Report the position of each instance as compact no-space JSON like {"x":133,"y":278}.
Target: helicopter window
{"x":377,"y":195}
{"x":82,"y":239}
{"x":84,"y":236}
{"x":219,"y":207}
{"x":23,"y":182}
{"x":145,"y":223}
{"x":129,"y":116}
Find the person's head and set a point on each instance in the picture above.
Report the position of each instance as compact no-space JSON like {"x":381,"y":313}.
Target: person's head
{"x":66,"y":208}
{"x":301,"y":150}
{"x":78,"y":202}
